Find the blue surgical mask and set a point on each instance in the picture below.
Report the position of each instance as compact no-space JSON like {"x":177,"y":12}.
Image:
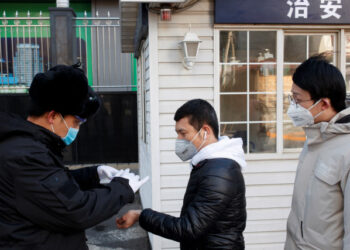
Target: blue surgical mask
{"x":71,"y":134}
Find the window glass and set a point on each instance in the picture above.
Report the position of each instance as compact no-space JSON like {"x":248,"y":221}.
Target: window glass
{"x":233,"y":78}
{"x":262,"y":46}
{"x":347,"y":62}
{"x":292,"y":55}
{"x":248,"y":88}
{"x":233,"y":46}
{"x":235,"y":108}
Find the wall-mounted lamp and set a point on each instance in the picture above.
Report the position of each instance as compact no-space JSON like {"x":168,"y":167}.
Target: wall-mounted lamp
{"x":190,"y":46}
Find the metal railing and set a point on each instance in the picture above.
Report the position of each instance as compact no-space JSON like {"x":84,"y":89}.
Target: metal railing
{"x":99,"y":50}
{"x":24,"y":50}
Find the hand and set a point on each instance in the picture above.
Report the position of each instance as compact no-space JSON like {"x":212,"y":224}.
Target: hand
{"x":128,"y":219}
{"x":107,"y":173}
{"x":134,"y":180}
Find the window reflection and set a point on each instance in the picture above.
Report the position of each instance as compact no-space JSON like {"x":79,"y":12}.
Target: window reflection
{"x":233,"y":46}
{"x":233,"y":78}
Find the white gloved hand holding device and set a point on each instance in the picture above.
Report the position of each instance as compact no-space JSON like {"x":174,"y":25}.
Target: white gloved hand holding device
{"x":107,"y":173}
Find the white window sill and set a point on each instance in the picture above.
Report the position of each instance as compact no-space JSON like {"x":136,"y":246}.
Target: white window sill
{"x":275,"y":156}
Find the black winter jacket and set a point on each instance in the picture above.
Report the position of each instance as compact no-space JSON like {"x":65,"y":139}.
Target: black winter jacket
{"x":213,"y":215}
{"x":43,"y":205}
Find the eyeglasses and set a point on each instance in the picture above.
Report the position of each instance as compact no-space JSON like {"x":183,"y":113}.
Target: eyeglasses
{"x":81,"y":120}
{"x":294,"y":102}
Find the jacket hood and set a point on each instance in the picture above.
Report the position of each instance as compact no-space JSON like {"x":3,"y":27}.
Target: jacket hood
{"x":224,"y":148}
{"x":12,"y":125}
{"x":320,"y":132}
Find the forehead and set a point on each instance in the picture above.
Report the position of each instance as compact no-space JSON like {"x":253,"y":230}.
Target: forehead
{"x":183,"y":124}
{"x":297,"y":91}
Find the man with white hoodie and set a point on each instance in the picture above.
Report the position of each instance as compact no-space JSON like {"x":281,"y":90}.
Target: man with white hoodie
{"x":213,"y":215}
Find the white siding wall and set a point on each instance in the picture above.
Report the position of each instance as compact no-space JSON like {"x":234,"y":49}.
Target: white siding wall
{"x":143,"y":79}
{"x":269,"y":182}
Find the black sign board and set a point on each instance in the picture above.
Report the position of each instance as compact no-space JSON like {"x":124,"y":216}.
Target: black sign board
{"x":282,"y":11}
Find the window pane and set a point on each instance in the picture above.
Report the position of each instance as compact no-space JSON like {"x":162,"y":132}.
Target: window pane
{"x":348,"y":48}
{"x":233,"y":46}
{"x":262,"y":78}
{"x":233,"y":78}
{"x":235,"y":130}
{"x":291,"y":54}
{"x":321,"y":43}
{"x":287,"y":77}
{"x":347,"y":77}
{"x":293,"y":137}
{"x":262,"y":138}
{"x":262,"y":107}
{"x":262,"y":46}
{"x":233,"y":108}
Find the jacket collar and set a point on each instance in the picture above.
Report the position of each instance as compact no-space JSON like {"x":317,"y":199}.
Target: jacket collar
{"x":320,"y":132}
{"x":14,"y":125}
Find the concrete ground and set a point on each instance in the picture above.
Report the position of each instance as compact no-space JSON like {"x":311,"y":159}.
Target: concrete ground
{"x":106,"y":235}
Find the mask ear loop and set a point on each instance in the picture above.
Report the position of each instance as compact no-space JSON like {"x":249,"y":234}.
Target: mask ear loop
{"x":204,"y":139}
{"x":196,"y":135}
{"x":314,"y":106}
{"x":64,"y":121}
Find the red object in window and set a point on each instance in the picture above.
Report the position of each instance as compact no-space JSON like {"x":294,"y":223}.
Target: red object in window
{"x":165,"y":14}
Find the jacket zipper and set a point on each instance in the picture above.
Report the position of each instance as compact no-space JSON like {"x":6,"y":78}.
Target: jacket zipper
{"x":301,"y":229}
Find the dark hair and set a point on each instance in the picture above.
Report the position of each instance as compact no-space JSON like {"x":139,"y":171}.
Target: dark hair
{"x":63,"y":89}
{"x":322,"y":80}
{"x":199,"y":112}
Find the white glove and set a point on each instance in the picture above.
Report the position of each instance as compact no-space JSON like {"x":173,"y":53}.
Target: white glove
{"x":107,"y":173}
{"x":134,"y":180}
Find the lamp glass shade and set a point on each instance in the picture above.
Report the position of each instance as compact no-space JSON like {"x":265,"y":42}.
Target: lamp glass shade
{"x":192,"y":49}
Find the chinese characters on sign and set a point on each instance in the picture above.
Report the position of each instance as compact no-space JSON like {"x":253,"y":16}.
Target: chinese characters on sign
{"x":299,"y":8}
{"x":282,"y":12}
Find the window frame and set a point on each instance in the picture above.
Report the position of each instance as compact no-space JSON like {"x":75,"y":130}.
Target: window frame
{"x":340,"y":32}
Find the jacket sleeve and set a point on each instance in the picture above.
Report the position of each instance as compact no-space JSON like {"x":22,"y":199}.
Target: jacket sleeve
{"x":213,"y":196}
{"x":49,"y":196}
{"x":86,"y":177}
{"x":346,"y":239}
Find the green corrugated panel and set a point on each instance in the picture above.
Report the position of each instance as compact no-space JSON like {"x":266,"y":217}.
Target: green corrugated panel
{"x":134,"y":72}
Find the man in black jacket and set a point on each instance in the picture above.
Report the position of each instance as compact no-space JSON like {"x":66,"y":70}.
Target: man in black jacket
{"x":213,"y":215}
{"x":43,"y":204}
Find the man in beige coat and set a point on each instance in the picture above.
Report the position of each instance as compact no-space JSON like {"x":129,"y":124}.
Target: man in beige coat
{"x":320,"y":217}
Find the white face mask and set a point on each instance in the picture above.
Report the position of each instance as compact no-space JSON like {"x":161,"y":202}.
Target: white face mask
{"x":302,"y":117}
{"x":185,"y":149}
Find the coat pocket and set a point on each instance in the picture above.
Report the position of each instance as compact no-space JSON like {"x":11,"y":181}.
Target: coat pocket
{"x":329,"y":174}
{"x":63,"y":188}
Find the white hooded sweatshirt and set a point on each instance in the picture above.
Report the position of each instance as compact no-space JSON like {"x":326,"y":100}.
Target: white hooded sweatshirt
{"x":225,"y":148}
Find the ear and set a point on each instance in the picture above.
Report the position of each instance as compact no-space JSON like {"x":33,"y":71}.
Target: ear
{"x":51,"y":116}
{"x":326,"y":103}
{"x":207,"y":131}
